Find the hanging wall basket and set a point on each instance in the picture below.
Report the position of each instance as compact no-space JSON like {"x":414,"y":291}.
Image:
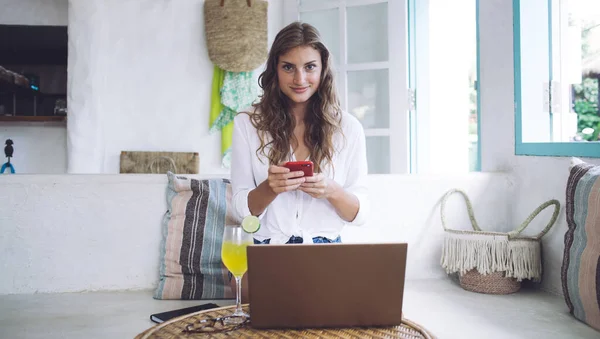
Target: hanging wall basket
{"x":236,"y":33}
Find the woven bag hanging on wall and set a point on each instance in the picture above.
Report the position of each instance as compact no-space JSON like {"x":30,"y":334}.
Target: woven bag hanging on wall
{"x":236,"y":33}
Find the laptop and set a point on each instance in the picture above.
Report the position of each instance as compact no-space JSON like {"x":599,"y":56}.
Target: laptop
{"x":326,"y":285}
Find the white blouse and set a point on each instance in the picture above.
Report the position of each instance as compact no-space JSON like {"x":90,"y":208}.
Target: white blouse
{"x":297,"y":213}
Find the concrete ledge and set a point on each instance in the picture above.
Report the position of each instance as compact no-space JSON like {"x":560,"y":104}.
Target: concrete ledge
{"x":73,"y":233}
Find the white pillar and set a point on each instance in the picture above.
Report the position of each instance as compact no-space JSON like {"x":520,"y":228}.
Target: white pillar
{"x":85,"y":148}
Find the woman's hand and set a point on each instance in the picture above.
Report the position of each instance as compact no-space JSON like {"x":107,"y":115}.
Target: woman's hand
{"x":319,"y":186}
{"x":281,"y":180}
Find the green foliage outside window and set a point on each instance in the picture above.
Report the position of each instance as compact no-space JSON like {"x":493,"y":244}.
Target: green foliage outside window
{"x":586,"y":107}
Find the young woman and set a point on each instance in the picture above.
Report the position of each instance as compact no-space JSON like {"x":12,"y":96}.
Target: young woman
{"x":297,"y":118}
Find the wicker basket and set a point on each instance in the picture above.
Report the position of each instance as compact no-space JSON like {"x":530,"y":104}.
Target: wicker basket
{"x":236,"y":33}
{"x":493,"y":262}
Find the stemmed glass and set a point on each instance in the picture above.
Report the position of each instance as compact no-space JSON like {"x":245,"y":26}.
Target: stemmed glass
{"x":233,"y":253}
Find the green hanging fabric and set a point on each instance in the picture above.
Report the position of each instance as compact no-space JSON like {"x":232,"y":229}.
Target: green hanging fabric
{"x":215,"y":97}
{"x":216,"y":120}
{"x":226,"y":139}
{"x":237,"y":91}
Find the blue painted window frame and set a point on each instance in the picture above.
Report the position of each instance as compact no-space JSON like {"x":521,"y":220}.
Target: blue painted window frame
{"x":558,"y":149}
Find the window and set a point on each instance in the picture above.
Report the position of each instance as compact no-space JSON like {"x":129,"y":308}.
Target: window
{"x":444,"y":68}
{"x":33,"y":72}
{"x":408,"y":71}
{"x":368,"y":44}
{"x":557,"y":71}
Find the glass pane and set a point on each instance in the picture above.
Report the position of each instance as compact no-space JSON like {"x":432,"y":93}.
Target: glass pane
{"x":451,"y":100}
{"x":582,"y":68}
{"x":559,"y":70}
{"x":378,"y":154}
{"x":368,"y":33}
{"x":535,"y":71}
{"x":328,"y":24}
{"x":312,"y":3}
{"x":368,"y":97}
{"x":470,"y":44}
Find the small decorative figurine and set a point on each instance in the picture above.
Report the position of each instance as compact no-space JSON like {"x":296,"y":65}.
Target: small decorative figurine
{"x":8,"y":152}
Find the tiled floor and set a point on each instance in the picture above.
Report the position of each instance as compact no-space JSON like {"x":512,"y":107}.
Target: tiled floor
{"x":441,"y":306}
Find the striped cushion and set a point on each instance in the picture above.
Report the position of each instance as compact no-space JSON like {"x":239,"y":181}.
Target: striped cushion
{"x":581,"y":262}
{"x":190,"y":258}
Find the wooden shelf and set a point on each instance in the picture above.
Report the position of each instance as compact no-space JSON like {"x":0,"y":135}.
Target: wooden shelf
{"x":38,"y":118}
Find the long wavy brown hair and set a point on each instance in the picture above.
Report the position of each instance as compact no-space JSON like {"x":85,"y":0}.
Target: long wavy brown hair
{"x":273,"y":116}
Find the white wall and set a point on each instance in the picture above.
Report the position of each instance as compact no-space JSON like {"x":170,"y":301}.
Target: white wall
{"x":140,"y":84}
{"x":405,"y":208}
{"x":34,"y":12}
{"x":537,"y":179}
{"x":65,"y":233}
{"x":39,"y":147}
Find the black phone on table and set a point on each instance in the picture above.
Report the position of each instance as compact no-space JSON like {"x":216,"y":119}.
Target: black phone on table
{"x":164,"y":316}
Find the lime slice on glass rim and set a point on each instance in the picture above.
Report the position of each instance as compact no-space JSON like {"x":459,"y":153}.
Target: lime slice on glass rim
{"x":250,"y":224}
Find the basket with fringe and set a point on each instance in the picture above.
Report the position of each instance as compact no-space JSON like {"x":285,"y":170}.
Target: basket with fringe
{"x":493,"y":262}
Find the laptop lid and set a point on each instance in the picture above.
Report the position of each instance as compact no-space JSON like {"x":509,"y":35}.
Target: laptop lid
{"x":326,"y":285}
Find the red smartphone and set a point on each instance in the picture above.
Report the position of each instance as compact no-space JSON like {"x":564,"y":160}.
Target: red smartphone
{"x":304,"y":166}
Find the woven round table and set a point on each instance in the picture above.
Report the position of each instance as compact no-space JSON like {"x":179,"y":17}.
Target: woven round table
{"x":174,"y":328}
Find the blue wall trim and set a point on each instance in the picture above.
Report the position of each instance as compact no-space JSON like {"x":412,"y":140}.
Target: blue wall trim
{"x":517,"y":70}
{"x":560,"y":149}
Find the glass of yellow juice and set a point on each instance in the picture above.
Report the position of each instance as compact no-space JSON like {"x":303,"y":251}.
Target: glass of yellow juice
{"x":233,"y":254}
